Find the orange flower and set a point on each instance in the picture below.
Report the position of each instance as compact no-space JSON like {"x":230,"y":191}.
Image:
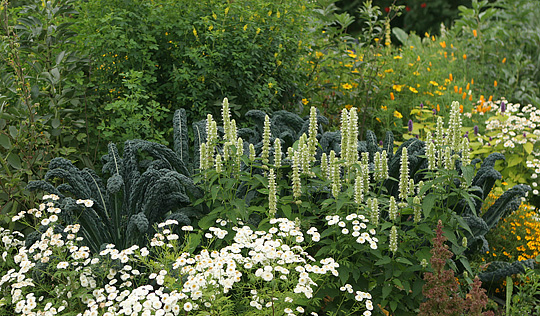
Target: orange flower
{"x":392,"y":96}
{"x":461,"y":108}
{"x":464,"y":95}
{"x":460,"y":90}
{"x":468,"y":87}
{"x":438,"y":108}
{"x":472,"y":81}
{"x":464,"y":56}
{"x":451,"y":77}
{"x":504,"y":60}
{"x":455,"y":89}
{"x":443,"y":44}
{"x":495,"y":83}
{"x":474,"y":33}
{"x":490,"y":98}
{"x":470,"y":97}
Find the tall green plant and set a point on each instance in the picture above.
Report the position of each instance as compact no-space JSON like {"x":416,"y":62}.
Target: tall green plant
{"x":41,"y":95}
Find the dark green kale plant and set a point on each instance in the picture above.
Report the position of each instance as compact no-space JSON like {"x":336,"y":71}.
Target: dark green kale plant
{"x":147,"y":185}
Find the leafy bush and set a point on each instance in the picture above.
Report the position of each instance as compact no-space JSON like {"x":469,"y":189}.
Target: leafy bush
{"x":191,"y":54}
{"x":41,"y":95}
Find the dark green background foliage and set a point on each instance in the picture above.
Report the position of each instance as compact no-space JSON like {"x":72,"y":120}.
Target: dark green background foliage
{"x":419,"y":16}
{"x":191,"y":54}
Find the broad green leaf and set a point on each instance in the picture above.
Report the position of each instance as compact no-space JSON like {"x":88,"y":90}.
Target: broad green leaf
{"x":386,"y":290}
{"x":528,"y":147}
{"x":428,"y":203}
{"x":13,"y":132}
{"x":287,"y":210}
{"x":14,"y":160}
{"x":401,"y":35}
{"x":514,"y":160}
{"x":4,"y":141}
{"x":383,"y":260}
{"x":55,"y":122}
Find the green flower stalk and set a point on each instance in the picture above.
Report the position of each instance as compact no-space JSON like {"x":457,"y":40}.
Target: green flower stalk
{"x":377,"y":163}
{"x":404,"y":175}
{"x":465,"y":152}
{"x":383,"y":167}
{"x":359,"y":189}
{"x":364,"y":169}
{"x":411,"y":187}
{"x":335,"y":175}
{"x":277,"y":153}
{"x":252,"y":154}
{"x":344,"y":134}
{"x":312,"y":140}
{"x":239,"y":153}
{"x":431,"y":153}
{"x":448,"y":158}
{"x":393,"y":244}
{"x":454,"y":127}
{"x":373,"y":204}
{"x":211,"y":139}
{"x":352,"y":146}
{"x":266,"y":140}
{"x":218,"y":164}
{"x":331,"y":168}
{"x":203,"y":163}
{"x":296,"y":184}
{"x":226,"y":115}
{"x":324,"y":166}
{"x":272,"y":196}
{"x":392,"y":209}
{"x":417,"y":208}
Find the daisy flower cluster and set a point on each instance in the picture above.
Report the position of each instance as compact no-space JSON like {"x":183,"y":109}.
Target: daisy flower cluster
{"x":356,"y":226}
{"x":264,"y":269}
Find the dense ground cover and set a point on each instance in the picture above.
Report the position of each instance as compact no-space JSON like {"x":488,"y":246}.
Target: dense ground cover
{"x":256,"y":209}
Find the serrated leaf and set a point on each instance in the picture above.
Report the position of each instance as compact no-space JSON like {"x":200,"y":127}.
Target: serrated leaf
{"x":427,"y":204}
{"x":5,"y":142}
{"x":386,"y":291}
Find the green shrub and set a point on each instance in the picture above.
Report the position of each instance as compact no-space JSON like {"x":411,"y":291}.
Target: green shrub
{"x":191,"y":54}
{"x":42,"y":95}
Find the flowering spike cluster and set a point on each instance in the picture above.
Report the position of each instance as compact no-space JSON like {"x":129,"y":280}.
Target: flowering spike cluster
{"x":324,"y":166}
{"x":305,"y":155}
{"x":252,"y":154}
{"x":335,"y":173}
{"x":454,"y":127}
{"x":218,"y":164}
{"x":226,"y":115}
{"x":373,"y":204}
{"x":312,"y":140}
{"x":277,"y":153}
{"x":211,"y":141}
{"x":392,"y":209}
{"x":364,"y":170}
{"x":296,"y":184}
{"x":272,"y":193}
{"x":344,"y":134}
{"x":404,"y":175}
{"x":417,"y":209}
{"x":203,"y":163}
{"x":465,"y":152}
{"x":352,"y":147}
{"x":359,"y":189}
{"x":266,"y":140}
{"x":440,"y":139}
{"x":448,"y":158}
{"x":393,"y":244}
{"x":431,"y":153}
{"x":239,"y":153}
{"x":381,"y":166}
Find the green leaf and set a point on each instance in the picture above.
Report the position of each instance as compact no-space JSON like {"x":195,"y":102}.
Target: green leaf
{"x":468,"y":173}
{"x":194,"y":242}
{"x":14,"y":160}
{"x":514,"y":160}
{"x":13,"y":132}
{"x":428,"y":203}
{"x":466,"y":264}
{"x":384,"y":260}
{"x":386,"y":290}
{"x":404,"y":260}
{"x":287,"y":210}
{"x":55,"y":122}
{"x":4,"y":141}
{"x":393,"y":306}
{"x":528,"y":147}
{"x":401,"y":35}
